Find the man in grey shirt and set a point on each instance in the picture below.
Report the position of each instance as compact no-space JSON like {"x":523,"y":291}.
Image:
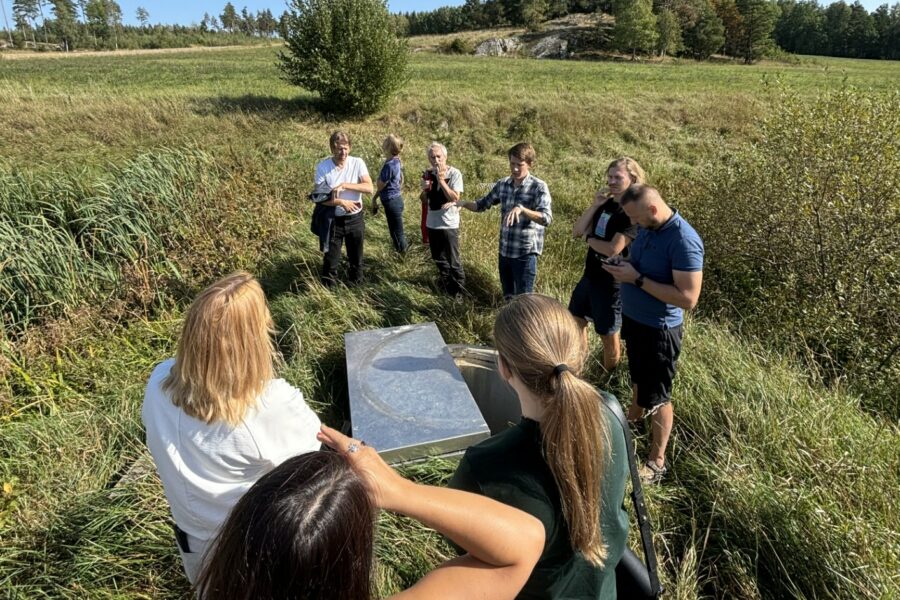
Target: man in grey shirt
{"x":442,"y":186}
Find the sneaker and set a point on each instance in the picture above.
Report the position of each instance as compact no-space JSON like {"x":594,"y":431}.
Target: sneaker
{"x":651,"y":473}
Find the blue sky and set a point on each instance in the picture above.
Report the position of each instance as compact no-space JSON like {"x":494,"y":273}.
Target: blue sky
{"x":185,"y":13}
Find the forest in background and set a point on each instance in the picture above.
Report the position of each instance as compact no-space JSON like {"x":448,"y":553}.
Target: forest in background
{"x":742,"y":29}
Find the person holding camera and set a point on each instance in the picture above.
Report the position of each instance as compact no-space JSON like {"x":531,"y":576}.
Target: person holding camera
{"x":340,"y":182}
{"x":442,"y":186}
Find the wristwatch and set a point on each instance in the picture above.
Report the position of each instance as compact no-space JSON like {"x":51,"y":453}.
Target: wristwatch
{"x":639,"y":282}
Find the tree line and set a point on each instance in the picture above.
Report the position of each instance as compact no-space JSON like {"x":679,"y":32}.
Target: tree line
{"x":97,"y":25}
{"x":744,"y":29}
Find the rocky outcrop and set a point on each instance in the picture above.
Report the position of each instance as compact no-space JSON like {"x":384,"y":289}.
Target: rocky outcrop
{"x":552,"y":46}
{"x":498,"y":47}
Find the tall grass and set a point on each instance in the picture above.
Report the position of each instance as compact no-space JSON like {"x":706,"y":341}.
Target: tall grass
{"x":68,"y":238}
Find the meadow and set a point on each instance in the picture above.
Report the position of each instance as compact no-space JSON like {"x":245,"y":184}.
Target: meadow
{"x":127,"y":183}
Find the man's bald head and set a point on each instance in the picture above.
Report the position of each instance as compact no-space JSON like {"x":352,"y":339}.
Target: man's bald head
{"x":644,"y":206}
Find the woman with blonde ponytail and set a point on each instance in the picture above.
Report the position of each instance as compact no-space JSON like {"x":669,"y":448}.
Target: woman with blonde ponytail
{"x":565,"y":462}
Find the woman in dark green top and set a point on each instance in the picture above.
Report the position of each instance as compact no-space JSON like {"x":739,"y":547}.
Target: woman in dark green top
{"x":564,"y":463}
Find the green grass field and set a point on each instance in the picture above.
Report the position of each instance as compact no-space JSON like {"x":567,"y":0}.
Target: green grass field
{"x":779,"y":487}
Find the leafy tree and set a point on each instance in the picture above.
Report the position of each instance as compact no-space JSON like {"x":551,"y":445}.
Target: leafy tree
{"x":346,"y":51}
{"x":143,"y":16}
{"x":801,"y":27}
{"x":669,"y":30}
{"x":533,"y":13}
{"x":25,"y":11}
{"x":887,"y":24}
{"x":837,"y":23}
{"x":40,"y":7}
{"x":283,"y":24}
{"x":265,"y":23}
{"x":229,"y":17}
{"x":114,"y":18}
{"x":758,"y":21}
{"x":65,"y":26}
{"x":861,"y":32}
{"x":707,"y":35}
{"x":733,"y":22}
{"x":635,"y":28}
{"x":104,"y":18}
{"x":247,"y":23}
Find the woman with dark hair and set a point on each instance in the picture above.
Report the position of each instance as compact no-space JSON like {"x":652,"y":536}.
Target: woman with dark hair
{"x":565,"y":462}
{"x":305,"y":530}
{"x":216,"y":416}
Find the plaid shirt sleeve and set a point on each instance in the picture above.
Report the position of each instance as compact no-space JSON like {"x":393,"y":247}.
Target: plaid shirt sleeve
{"x":541,"y":202}
{"x":493,"y":197}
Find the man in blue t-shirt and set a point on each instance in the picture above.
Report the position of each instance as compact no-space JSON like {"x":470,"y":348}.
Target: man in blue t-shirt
{"x":662,"y":278}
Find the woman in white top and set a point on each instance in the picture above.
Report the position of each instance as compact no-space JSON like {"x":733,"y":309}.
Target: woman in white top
{"x":216,"y":418}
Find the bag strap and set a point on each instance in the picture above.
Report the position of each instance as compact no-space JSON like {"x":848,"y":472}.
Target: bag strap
{"x":637,"y":494}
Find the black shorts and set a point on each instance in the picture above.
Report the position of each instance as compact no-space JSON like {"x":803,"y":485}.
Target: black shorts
{"x":652,"y":354}
{"x":597,"y":302}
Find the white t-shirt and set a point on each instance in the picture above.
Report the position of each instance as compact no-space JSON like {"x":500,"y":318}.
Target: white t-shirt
{"x":447,"y":218}
{"x":328,"y":176}
{"x":205,"y":469}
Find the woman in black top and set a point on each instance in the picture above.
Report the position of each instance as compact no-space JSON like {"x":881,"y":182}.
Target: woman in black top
{"x":607,"y":231}
{"x":565,"y":462}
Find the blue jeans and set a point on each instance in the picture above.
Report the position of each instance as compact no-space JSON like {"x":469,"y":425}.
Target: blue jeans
{"x":393,"y":211}
{"x":517,"y":275}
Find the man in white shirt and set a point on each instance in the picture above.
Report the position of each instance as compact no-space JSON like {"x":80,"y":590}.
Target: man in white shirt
{"x":340,"y":181}
{"x":442,"y":186}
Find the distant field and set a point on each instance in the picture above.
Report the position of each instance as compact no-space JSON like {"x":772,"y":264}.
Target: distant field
{"x":780,"y":487}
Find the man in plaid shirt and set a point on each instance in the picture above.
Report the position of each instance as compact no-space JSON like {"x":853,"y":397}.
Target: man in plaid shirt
{"x":525,"y":212}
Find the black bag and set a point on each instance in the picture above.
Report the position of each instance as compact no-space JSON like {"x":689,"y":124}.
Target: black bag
{"x":634,"y":579}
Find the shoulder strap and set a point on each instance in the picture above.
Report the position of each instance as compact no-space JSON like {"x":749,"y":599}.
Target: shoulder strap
{"x":637,"y":493}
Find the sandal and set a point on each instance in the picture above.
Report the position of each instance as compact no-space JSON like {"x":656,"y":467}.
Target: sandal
{"x":652,"y":473}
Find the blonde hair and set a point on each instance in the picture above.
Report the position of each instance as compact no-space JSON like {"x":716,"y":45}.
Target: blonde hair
{"x":393,"y":145}
{"x":631,"y":166}
{"x":535,"y":334}
{"x":226,"y":354}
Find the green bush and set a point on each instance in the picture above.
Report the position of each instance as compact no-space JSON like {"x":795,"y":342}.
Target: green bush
{"x":347,"y":51}
{"x":458,"y":46}
{"x":802,"y":231}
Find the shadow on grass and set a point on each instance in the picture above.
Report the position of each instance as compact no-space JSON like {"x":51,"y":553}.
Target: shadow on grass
{"x":291,"y":274}
{"x":330,"y":387}
{"x":273,"y":108}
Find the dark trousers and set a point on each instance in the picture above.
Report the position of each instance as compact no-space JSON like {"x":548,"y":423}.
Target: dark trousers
{"x":444,"y":245}
{"x":393,"y":211}
{"x":351,"y":229}
{"x":517,"y":275}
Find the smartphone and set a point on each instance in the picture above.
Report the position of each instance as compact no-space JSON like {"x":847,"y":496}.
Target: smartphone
{"x":610,"y":261}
